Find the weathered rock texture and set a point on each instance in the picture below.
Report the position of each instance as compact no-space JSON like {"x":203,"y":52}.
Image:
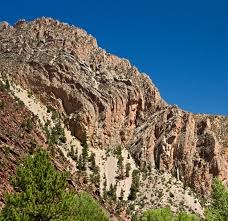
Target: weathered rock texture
{"x":109,"y":100}
{"x":18,"y":136}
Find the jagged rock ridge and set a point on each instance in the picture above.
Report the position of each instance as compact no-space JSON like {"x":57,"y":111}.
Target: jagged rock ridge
{"x":109,"y":100}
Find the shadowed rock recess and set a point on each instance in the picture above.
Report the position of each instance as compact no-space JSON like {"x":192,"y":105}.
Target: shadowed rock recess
{"x":110,"y":101}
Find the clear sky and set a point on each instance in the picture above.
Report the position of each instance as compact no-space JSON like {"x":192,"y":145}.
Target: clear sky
{"x":181,"y":44}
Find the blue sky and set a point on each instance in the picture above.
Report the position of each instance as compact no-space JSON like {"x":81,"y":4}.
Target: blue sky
{"x":181,"y":44}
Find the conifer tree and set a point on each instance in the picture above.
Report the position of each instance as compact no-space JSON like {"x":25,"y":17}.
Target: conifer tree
{"x":92,"y":161}
{"x":135,"y":185}
{"x":40,"y":195}
{"x":85,"y":150}
{"x":218,"y":211}
{"x":40,"y":192}
{"x":128,"y":168}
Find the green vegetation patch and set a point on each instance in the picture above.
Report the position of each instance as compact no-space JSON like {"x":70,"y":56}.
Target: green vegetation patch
{"x":40,"y":193}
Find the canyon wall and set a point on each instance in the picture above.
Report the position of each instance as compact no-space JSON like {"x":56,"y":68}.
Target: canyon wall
{"x":108,"y":100}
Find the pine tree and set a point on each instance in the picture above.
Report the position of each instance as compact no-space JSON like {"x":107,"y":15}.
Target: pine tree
{"x":120,"y":166}
{"x":121,"y":195}
{"x":112,"y":192}
{"x":40,"y":192}
{"x":95,"y":176}
{"x":105,"y":187}
{"x":92,"y":161}
{"x":80,"y":164}
{"x":73,"y":154}
{"x":128,"y":168}
{"x":135,"y":185}
{"x":40,"y":195}
{"x":218,"y":211}
{"x":85,"y":150}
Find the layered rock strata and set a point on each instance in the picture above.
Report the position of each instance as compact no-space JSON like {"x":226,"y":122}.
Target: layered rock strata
{"x":111,"y":102}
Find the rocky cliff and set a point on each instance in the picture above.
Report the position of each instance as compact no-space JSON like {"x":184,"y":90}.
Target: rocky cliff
{"x":108,"y":100}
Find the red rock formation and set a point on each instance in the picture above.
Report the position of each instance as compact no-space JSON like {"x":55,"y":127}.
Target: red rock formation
{"x":19,"y":135}
{"x":107,"y":98}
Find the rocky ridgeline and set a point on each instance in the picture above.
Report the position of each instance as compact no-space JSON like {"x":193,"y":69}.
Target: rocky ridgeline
{"x":110,"y":101}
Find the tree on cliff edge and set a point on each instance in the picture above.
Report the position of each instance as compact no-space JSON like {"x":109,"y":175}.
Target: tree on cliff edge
{"x":40,"y":195}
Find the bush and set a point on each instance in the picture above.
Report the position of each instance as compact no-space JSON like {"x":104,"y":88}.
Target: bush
{"x":165,"y":214}
{"x":4,"y":86}
{"x":186,"y":217}
{"x":87,"y":209}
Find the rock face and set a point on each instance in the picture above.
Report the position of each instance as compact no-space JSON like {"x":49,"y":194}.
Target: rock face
{"x":107,"y":99}
{"x":18,"y":135}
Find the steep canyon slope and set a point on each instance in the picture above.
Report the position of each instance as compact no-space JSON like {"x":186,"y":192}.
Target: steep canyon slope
{"x":110,"y":101}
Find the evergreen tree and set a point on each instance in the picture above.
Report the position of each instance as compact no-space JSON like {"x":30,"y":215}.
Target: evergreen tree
{"x":95,"y":176}
{"x":85,"y":150}
{"x":92,"y":161}
{"x":135,"y":185}
{"x":128,"y":168}
{"x":40,"y":195}
{"x":73,"y":154}
{"x":112,"y":192}
{"x":80,"y":164}
{"x":40,"y":192}
{"x":105,"y":187}
{"x":218,"y":211}
{"x":121,"y":195}
{"x":120,"y":166}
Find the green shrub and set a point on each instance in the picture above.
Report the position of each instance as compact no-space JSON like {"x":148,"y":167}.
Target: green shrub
{"x":4,"y":86}
{"x":30,"y":94}
{"x":87,"y":209}
{"x":165,"y":214}
{"x":183,"y":216}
